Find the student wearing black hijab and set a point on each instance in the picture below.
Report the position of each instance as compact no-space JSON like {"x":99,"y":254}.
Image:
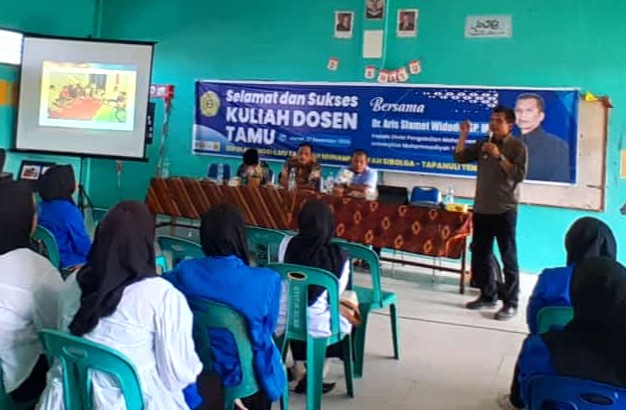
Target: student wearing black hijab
{"x":587,"y":238}
{"x":312,"y":247}
{"x":591,"y":346}
{"x":118,"y":300}
{"x":59,"y":214}
{"x":29,"y":291}
{"x":224,"y":276}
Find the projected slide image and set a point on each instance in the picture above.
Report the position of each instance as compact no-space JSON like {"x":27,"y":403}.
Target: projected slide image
{"x":89,"y":96}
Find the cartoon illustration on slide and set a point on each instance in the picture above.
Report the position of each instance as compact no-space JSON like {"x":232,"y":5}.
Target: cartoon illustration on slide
{"x":92,"y":96}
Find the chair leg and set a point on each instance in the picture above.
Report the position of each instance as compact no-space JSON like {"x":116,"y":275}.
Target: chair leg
{"x":348,"y":367}
{"x":394,"y":330}
{"x":284,"y":400}
{"x":315,"y":358}
{"x":360,"y":332}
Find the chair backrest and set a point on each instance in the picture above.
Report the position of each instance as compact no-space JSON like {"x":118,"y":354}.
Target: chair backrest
{"x":161,"y":262}
{"x":212,"y":315}
{"x":212,"y":172}
{"x":47,"y":246}
{"x":553,"y":316}
{"x":560,"y":392}
{"x":264,"y":244}
{"x":180,"y":248}
{"x":299,"y":279}
{"x":357,"y":251}
{"x":78,"y":357}
{"x":420,"y":195}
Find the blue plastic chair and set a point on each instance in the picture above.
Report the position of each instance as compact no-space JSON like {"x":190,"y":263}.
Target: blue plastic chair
{"x":425,"y":195}
{"x":212,"y":171}
{"x":212,"y":315}
{"x":47,"y":245}
{"x":565,"y":393}
{"x":373,"y":298}
{"x":78,"y":357}
{"x":263,"y":244}
{"x":180,"y":248}
{"x":553,"y":316}
{"x":299,"y":279}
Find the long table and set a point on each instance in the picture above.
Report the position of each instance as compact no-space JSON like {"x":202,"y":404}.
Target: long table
{"x":419,"y":230}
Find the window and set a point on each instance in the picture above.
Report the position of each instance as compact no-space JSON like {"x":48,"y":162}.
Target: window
{"x":10,"y":47}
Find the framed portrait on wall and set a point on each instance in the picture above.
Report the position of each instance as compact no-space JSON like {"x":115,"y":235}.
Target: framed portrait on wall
{"x":344,"y":24}
{"x":374,"y":9}
{"x":407,"y":22}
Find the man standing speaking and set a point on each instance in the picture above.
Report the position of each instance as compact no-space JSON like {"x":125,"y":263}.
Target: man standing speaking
{"x":502,"y":163}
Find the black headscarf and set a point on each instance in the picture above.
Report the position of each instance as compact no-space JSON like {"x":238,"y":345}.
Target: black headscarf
{"x":59,"y":183}
{"x":593,"y":345}
{"x":251,"y":157}
{"x":312,"y":246}
{"x":589,"y":237}
{"x":17,"y":211}
{"x":223,"y":233}
{"x":122,"y":254}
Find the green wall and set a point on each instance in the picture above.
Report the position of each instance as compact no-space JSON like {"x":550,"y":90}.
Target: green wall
{"x":573,"y":43}
{"x":62,"y":18}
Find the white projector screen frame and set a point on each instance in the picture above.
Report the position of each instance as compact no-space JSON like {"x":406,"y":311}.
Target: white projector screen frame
{"x":116,"y":107}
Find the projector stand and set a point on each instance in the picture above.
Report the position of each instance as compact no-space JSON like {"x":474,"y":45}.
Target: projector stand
{"x":83,"y":198}
{"x":82,"y":192}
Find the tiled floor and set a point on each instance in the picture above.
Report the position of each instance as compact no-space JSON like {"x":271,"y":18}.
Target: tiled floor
{"x":451,"y":358}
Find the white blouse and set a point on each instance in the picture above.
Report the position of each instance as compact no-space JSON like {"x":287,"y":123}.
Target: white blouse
{"x":318,"y":312}
{"x":29,"y":291}
{"x":152,"y":326}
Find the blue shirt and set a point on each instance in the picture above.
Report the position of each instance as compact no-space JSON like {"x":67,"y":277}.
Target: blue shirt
{"x":255,"y":294}
{"x":64,"y":220}
{"x":535,"y":359}
{"x":369,"y":177}
{"x":552,"y":289}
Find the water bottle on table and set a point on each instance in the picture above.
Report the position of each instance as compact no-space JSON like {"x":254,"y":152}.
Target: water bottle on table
{"x":291,"y":185}
{"x":220,"y":174}
{"x":449,"y":198}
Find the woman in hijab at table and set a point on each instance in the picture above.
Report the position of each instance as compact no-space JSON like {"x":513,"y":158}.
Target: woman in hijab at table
{"x":29,"y":292}
{"x":59,"y":214}
{"x":118,"y":300}
{"x":591,"y":346}
{"x":312,"y":247}
{"x":588,"y":237}
{"x":225,"y":276}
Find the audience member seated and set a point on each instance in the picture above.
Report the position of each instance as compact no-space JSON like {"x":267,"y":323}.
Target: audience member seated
{"x":591,"y":346}
{"x":29,"y":289}
{"x":587,"y":238}
{"x":358,"y":177}
{"x":59,"y":214}
{"x":225,"y":276}
{"x":308,"y":171}
{"x":118,"y":300}
{"x":312,"y":247}
{"x":253,"y":169}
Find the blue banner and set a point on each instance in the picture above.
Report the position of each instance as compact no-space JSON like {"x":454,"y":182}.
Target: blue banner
{"x":407,"y":128}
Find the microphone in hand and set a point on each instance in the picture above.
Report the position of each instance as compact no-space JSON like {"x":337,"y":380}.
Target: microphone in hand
{"x":486,"y":154}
